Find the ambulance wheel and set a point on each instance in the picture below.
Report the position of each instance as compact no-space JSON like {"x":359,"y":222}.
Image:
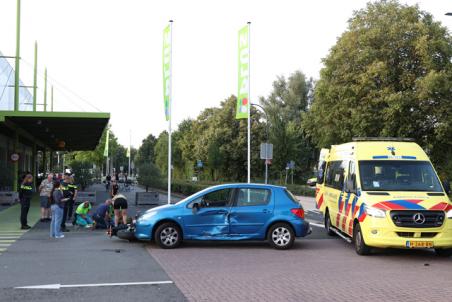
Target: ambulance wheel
{"x":361,"y":247}
{"x":443,"y":252}
{"x":329,"y":231}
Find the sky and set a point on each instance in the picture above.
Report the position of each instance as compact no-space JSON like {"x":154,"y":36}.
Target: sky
{"x":106,"y":55}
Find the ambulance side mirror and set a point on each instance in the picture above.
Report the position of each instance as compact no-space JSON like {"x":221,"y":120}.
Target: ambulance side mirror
{"x":446,"y":186}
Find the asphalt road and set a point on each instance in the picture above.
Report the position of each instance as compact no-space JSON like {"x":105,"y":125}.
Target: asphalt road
{"x":82,"y":257}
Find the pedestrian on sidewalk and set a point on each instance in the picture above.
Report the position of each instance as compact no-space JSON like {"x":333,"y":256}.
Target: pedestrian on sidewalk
{"x":44,"y":197}
{"x":114,"y":188}
{"x":57,"y":202}
{"x":25,"y":195}
{"x":67,"y":193}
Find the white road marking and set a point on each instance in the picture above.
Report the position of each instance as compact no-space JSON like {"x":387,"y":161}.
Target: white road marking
{"x":58,"y":286}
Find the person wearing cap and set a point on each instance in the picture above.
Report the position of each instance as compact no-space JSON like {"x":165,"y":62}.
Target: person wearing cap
{"x":25,"y":195}
{"x":82,"y":215}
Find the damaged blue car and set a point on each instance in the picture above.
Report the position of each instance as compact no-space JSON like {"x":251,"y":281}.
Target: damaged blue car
{"x":227,"y":212}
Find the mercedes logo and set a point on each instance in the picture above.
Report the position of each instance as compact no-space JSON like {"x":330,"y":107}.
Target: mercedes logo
{"x":419,"y":218}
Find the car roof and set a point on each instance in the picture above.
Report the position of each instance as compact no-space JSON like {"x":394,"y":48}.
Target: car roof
{"x":247,"y":185}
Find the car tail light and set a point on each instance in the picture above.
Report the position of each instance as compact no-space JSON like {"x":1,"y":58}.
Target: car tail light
{"x":298,"y":212}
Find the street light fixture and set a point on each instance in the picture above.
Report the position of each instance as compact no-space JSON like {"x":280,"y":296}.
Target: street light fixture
{"x":448,"y":14}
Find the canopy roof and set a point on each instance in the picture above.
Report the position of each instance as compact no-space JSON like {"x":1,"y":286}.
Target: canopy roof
{"x":69,"y":131}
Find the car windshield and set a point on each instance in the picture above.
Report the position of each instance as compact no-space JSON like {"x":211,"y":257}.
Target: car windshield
{"x":396,"y":175}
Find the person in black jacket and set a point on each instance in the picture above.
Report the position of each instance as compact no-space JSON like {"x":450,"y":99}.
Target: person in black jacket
{"x":25,"y":195}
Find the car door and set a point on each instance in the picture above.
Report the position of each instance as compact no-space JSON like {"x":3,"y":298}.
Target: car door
{"x":251,"y":210}
{"x":209,"y":216}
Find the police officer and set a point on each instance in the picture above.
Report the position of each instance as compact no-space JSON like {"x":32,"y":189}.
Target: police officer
{"x":73,"y":189}
{"x":67,"y":193}
{"x":25,"y":195}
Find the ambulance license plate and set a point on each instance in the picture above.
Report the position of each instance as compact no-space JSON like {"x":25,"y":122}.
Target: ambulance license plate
{"x":419,"y":244}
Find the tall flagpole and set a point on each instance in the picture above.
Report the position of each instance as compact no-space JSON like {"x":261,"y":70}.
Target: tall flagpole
{"x":249,"y":105}
{"x":169,"y":110}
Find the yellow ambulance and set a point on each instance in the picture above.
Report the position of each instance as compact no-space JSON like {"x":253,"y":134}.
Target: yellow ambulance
{"x":383,"y":192}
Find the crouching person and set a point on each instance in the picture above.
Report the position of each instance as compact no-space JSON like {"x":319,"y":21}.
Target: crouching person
{"x":102,"y":217}
{"x":83,"y":219}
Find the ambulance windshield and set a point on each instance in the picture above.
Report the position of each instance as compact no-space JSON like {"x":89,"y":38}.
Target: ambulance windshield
{"x":398,"y":175}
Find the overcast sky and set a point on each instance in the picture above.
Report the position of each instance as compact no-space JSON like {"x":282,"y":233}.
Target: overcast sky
{"x":109,"y":52}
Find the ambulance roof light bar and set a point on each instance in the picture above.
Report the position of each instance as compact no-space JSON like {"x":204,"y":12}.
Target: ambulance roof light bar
{"x":383,"y":139}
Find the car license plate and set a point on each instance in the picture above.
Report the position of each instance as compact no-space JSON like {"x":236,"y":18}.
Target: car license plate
{"x":419,"y":244}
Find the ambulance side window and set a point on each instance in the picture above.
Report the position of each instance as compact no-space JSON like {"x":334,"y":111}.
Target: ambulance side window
{"x":335,"y":175}
{"x":350,"y":186}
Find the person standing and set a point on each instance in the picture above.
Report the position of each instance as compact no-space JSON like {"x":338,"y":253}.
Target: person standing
{"x":44,"y":197}
{"x":114,"y":188}
{"x":67,"y":194}
{"x":25,"y":195}
{"x":57,"y":202}
{"x":73,"y":190}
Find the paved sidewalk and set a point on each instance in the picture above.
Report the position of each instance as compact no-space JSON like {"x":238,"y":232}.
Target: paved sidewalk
{"x":10,"y":230}
{"x":314,"y":270}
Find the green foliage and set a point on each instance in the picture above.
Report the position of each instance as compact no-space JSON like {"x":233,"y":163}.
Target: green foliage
{"x":389,"y":74}
{"x":82,"y":171}
{"x":145,"y":153}
{"x":284,"y":107}
{"x":149,"y":175}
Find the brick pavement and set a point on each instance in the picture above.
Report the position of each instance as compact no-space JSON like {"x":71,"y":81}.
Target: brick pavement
{"x":314,"y":270}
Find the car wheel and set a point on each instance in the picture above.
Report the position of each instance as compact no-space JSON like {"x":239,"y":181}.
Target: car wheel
{"x":361,"y":247}
{"x":329,"y":231}
{"x":281,"y":236}
{"x":443,"y":252}
{"x":168,"y":235}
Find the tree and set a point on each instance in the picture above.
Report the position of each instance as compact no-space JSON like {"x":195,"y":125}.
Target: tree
{"x":389,"y":74}
{"x":149,"y":175}
{"x":82,"y":172}
{"x":146,"y":151}
{"x":284,"y":106}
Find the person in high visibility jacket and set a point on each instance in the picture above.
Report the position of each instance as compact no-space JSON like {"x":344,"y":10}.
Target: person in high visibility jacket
{"x":82,"y":215}
{"x":25,"y":195}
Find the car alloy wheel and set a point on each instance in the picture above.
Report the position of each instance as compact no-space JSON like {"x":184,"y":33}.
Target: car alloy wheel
{"x":168,"y":235}
{"x":281,"y":236}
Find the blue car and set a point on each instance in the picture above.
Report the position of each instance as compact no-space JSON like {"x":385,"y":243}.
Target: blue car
{"x":227,"y":212}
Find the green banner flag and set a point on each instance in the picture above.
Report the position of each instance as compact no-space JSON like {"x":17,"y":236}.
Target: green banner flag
{"x":243,"y":102}
{"x":107,"y":139}
{"x":167,"y":70}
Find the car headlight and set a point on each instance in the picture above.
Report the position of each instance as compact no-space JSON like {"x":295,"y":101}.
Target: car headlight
{"x":146,"y":216}
{"x":374,"y":212}
{"x":449,"y":214}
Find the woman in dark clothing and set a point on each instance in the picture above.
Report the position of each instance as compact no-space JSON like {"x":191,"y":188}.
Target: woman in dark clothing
{"x":25,"y":195}
{"x":57,"y":202}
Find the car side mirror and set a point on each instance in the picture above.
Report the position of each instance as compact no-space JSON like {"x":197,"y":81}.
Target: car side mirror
{"x":350,"y":185}
{"x":312,"y":182}
{"x":446,"y":186}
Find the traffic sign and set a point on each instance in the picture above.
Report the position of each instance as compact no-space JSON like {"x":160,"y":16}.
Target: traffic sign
{"x":266,"y":151}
